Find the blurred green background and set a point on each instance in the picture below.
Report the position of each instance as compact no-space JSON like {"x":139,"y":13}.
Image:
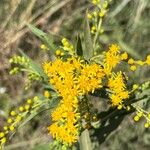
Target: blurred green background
{"x":126,"y":24}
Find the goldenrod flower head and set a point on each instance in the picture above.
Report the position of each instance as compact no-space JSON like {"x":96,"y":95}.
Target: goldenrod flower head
{"x":135,"y":86}
{"x":119,"y":107}
{"x":67,"y":46}
{"x":44,"y":47}
{"x":146,"y":125}
{"x":58,"y":52}
{"x":12,"y":128}
{"x":136,"y":118}
{"x":89,"y":16}
{"x":93,"y":29}
{"x":102,"y":13}
{"x":133,"y":68}
{"x":71,"y":78}
{"x":5,"y":128}
{"x":18,"y":118}
{"x":112,"y":58}
{"x":9,"y":120}
{"x":131,"y":61}
{"x":139,"y":62}
{"x":3,"y":140}
{"x":29,"y":101}
{"x":21,"y":108}
{"x":13,"y":113}
{"x":2,"y":134}
{"x":27,"y":107}
{"x":47,"y":94}
{"x":148,"y":60}
{"x":124,"y":56}
{"x":118,"y":88}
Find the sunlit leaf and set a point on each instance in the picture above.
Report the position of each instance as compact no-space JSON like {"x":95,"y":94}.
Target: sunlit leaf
{"x":88,"y":51}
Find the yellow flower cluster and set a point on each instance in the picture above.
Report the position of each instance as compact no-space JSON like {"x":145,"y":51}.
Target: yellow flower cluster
{"x":134,"y":63}
{"x":142,"y":114}
{"x":19,"y":61}
{"x":112,"y":58}
{"x":71,"y":79}
{"x":118,"y":88}
{"x":14,"y":119}
{"x":97,"y":15}
{"x":44,"y":47}
{"x":67,"y":46}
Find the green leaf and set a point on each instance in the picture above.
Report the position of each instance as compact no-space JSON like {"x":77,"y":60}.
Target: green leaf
{"x":85,"y":142}
{"x":42,"y":147}
{"x":34,"y":66}
{"x":88,"y":51}
{"x":79,"y":49}
{"x":28,"y":119}
{"x":129,"y":50}
{"x":46,"y":39}
{"x":52,"y":104}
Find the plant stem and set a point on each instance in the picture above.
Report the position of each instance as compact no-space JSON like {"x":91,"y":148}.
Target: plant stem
{"x":97,"y":33}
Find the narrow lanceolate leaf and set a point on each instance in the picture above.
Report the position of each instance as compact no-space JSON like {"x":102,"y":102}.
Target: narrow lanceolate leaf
{"x":88,"y":51}
{"x":85,"y":142}
{"x":46,"y":39}
{"x":129,"y":50}
{"x":34,"y":66}
{"x":50,"y":106}
{"x":79,"y":49}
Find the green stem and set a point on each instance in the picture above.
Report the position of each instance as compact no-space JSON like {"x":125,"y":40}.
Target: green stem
{"x":97,"y":33}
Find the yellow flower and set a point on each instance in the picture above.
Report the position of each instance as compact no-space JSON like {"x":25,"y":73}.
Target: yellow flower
{"x":139,"y":62}
{"x":3,"y":140}
{"x":18,"y":118}
{"x":9,"y":120}
{"x":44,"y":47}
{"x":119,"y":107}
{"x":5,"y":128}
{"x":12,"y":113}
{"x":47,"y":94}
{"x":146,"y":125}
{"x":12,"y":128}
{"x":29,"y":101}
{"x":131,"y":61}
{"x":124,"y":56}
{"x":93,"y":29}
{"x":112,"y":58}
{"x":2,"y":134}
{"x":133,"y":68}
{"x":70,"y":78}
{"x":89,"y":16}
{"x":27,"y":107}
{"x":58,"y":52}
{"x":148,"y":60}
{"x":136,"y":118}
{"x":118,"y":88}
{"x":21,"y":109}
{"x":135,"y":86}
